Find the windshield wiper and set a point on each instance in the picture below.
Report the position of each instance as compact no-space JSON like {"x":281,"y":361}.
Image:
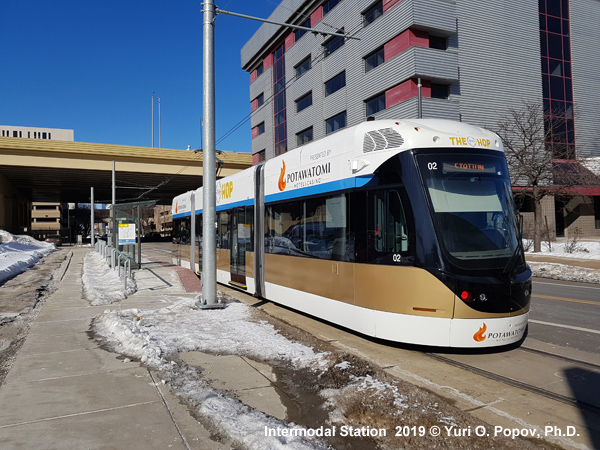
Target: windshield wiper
{"x":518,"y":223}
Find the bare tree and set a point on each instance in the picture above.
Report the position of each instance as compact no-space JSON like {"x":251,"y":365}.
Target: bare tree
{"x":526,"y":133}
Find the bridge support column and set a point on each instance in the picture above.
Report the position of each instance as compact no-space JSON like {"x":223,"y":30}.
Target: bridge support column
{"x":15,"y":209}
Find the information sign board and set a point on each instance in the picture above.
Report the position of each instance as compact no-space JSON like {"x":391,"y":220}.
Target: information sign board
{"x":126,"y":233}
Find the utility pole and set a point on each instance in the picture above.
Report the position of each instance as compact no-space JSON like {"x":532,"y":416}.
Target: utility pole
{"x":92,"y":237}
{"x":153,"y":118}
{"x":159,"y":135}
{"x":209,"y":175}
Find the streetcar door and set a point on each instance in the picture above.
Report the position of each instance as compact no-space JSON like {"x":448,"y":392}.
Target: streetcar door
{"x":388,"y":234}
{"x":238,"y":246}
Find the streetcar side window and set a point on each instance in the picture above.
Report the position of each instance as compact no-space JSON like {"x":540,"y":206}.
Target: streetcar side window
{"x":181,"y":231}
{"x":249,"y":228}
{"x":314,"y":228}
{"x":223,"y":230}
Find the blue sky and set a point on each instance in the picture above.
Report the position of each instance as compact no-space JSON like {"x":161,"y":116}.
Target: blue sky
{"x":91,"y":66}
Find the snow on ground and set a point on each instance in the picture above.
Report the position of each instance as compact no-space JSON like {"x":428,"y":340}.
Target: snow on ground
{"x":102,"y":285}
{"x":577,"y":249}
{"x":19,"y":253}
{"x":566,"y":249}
{"x":564,"y":272}
{"x":156,"y":336}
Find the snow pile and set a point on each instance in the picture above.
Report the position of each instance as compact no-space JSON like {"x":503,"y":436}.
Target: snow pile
{"x":102,"y":284}
{"x":563,"y":272}
{"x":568,"y":249}
{"x":19,"y":253}
{"x":156,"y":336}
{"x":152,"y":335}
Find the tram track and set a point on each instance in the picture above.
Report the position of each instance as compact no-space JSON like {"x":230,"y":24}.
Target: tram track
{"x":582,"y":405}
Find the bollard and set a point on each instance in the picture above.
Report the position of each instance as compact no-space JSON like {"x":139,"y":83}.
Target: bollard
{"x":119,"y":264}
{"x":127,"y":265}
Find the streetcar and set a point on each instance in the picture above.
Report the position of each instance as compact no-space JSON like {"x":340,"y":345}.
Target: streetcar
{"x":401,"y":230}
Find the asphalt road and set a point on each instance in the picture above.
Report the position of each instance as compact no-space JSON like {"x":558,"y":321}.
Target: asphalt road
{"x":566,"y":314}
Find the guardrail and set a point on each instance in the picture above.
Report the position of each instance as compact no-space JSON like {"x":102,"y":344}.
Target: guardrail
{"x":114,"y":258}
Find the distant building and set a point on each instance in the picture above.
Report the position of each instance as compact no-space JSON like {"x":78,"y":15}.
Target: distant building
{"x":56,"y":134}
{"x":46,"y":218}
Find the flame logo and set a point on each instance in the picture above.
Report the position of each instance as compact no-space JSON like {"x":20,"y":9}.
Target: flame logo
{"x":176,"y":205}
{"x":282,"y":183}
{"x":480,"y":335}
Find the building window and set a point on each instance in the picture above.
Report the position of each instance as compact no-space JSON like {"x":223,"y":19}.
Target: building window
{"x":16,"y":135}
{"x":304,"y":102}
{"x":303,"y":67}
{"x":557,"y":82}
{"x":260,"y":69}
{"x":299,"y":33}
{"x":261,"y":156}
{"x":279,"y":101}
{"x":375,"y":104}
{"x":439,"y":42}
{"x":304,"y":136}
{"x":336,"y":122}
{"x":374,"y":59}
{"x":329,"y":5}
{"x":260,"y":100}
{"x":373,"y":13}
{"x":439,"y":90}
{"x":260,"y":128}
{"x":335,"y":84}
{"x":333,"y":43}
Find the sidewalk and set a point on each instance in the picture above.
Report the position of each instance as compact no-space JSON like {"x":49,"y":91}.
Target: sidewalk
{"x":65,"y":392}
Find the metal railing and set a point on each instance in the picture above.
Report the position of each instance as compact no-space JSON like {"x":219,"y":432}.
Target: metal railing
{"x":114,"y":258}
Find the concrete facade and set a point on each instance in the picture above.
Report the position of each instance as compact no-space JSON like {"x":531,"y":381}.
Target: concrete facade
{"x":475,"y":60}
{"x":56,"y":134}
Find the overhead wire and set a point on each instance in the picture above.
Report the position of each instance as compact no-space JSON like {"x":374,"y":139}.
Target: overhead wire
{"x":243,"y":121}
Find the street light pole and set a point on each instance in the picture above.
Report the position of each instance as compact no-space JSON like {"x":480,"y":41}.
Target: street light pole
{"x":159,"y":136}
{"x":153,"y":118}
{"x":209,"y":175}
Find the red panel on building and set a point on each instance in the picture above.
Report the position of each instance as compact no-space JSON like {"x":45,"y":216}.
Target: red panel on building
{"x":316,"y":16}
{"x":387,"y":4}
{"x":253,"y":104}
{"x":268,"y":61}
{"x":255,"y":158}
{"x":252,"y":76}
{"x":289,"y":41}
{"x":405,"y":91}
{"x":254,"y":132}
{"x":404,"y":41}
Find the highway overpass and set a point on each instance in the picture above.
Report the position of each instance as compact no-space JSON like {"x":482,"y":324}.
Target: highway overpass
{"x":64,"y":171}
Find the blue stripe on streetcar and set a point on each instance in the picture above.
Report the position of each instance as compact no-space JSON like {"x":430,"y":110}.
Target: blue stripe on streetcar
{"x":332,"y":186}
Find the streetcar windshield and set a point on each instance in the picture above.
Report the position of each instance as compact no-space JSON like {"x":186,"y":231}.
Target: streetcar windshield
{"x":472,"y":205}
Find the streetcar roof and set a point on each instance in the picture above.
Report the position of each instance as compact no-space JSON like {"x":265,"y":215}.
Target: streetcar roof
{"x":344,"y":159}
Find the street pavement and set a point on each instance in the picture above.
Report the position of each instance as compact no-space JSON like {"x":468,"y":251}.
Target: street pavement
{"x":65,"y":392}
